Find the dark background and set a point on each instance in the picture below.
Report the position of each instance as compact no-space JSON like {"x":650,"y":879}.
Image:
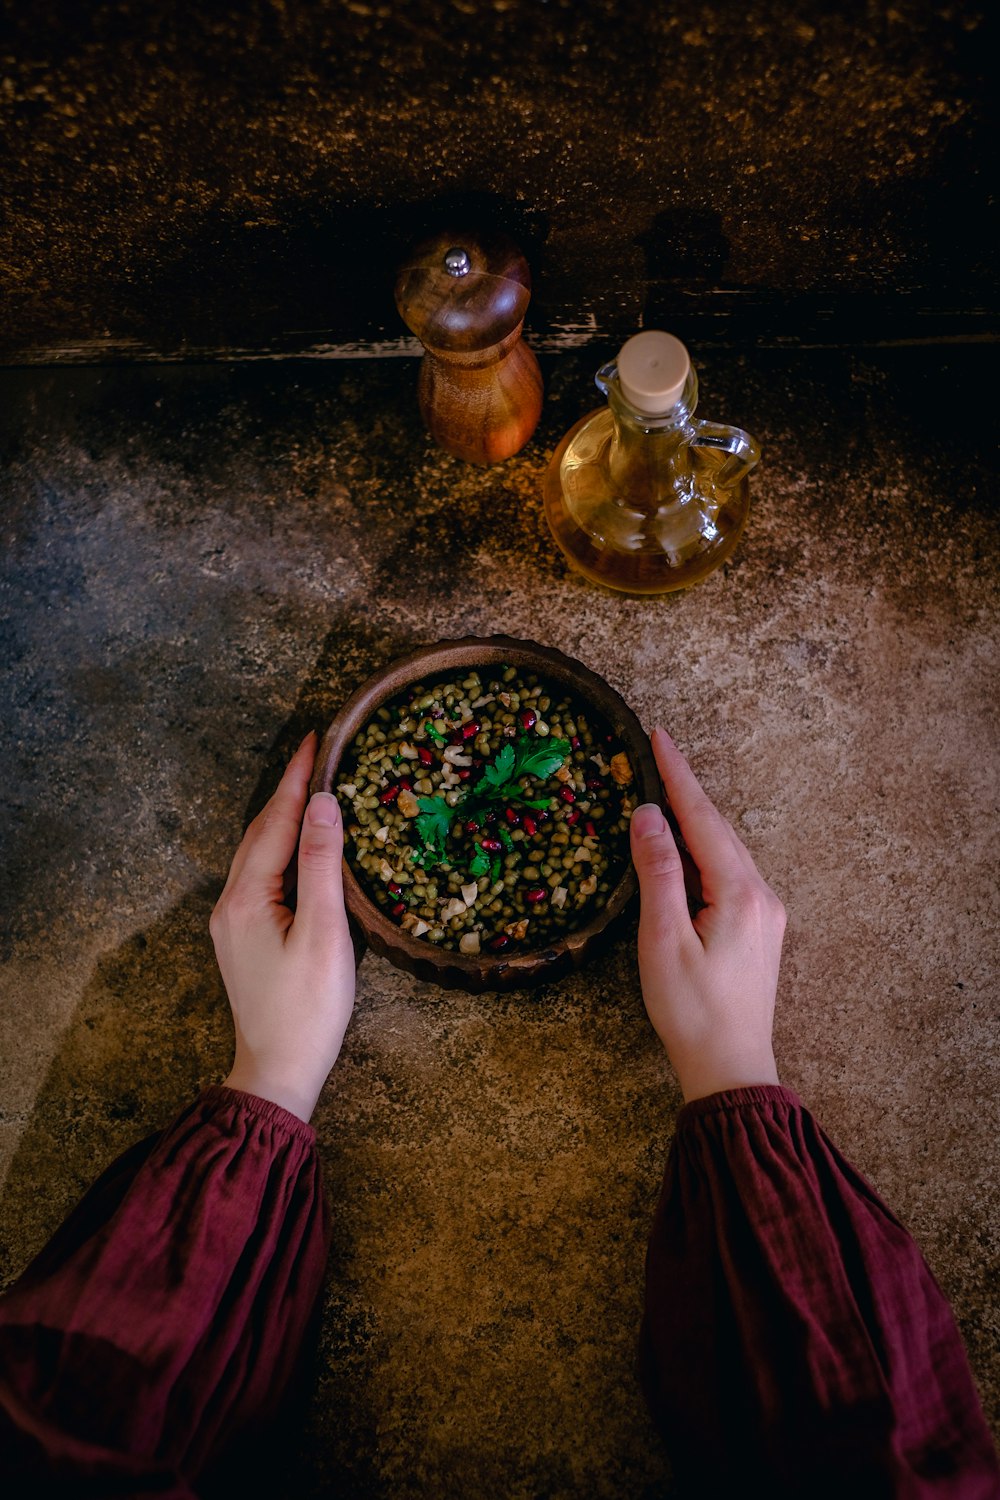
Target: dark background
{"x":183,"y":180}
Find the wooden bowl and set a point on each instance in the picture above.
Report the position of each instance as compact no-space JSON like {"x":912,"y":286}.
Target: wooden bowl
{"x":487,"y":972}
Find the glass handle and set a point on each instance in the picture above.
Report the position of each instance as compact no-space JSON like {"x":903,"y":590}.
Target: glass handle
{"x":743,"y":450}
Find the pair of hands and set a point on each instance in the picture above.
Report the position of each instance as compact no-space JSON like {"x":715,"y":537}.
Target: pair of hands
{"x":708,"y":983}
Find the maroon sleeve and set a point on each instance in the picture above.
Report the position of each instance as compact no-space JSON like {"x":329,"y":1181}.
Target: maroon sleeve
{"x":168,"y":1310}
{"x":793,"y":1334}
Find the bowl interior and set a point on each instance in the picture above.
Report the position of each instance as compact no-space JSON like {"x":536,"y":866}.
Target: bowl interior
{"x":484,"y":971}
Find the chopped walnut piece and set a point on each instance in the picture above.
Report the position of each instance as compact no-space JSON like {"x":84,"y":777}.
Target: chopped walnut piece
{"x":564,"y":774}
{"x":621,"y":768}
{"x":517,"y":929}
{"x":470,"y":893}
{"x":453,"y":908}
{"x":414,"y":925}
{"x":408,"y":752}
{"x":558,"y":897}
{"x":386,"y":871}
{"x":453,"y":755}
{"x":407,"y":804}
{"x":588,"y":886}
{"x":382,"y":834}
{"x":469,"y":943}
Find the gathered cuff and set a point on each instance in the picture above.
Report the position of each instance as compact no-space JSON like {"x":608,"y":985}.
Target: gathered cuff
{"x":755,"y":1096}
{"x":219,"y":1096}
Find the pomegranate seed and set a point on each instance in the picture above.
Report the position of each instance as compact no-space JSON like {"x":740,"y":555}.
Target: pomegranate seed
{"x":390,"y":794}
{"x":574,"y":743}
{"x":573,"y":816}
{"x":542,"y":816}
{"x":538,"y":893}
{"x":530,"y":826}
{"x":590,"y":829}
{"x":492,"y":846}
{"x":500,"y":942}
{"x":491,"y":817}
{"x":513,"y":818}
{"x":464,"y":774}
{"x":528,"y":718}
{"x":405,"y":784}
{"x":469,"y":731}
{"x":426,"y":758}
{"x":394,"y":889}
{"x":438,"y":713}
{"x":567,"y":794}
{"x":398,"y":909}
{"x":594,"y":783}
{"x":472,"y":826}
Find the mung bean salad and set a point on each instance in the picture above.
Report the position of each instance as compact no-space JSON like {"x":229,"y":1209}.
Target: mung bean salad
{"x":487,"y":812}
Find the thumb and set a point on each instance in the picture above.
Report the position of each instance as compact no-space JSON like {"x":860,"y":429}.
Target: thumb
{"x":663,"y":902}
{"x":320,"y":899}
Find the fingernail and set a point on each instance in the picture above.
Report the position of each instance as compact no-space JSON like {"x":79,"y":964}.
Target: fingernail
{"x":323,"y":809}
{"x":647,"y":820}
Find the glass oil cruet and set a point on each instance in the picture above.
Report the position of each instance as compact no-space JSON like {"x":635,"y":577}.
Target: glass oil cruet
{"x":639,"y":495}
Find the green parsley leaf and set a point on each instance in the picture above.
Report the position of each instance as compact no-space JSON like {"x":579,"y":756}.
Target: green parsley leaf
{"x":528,"y":757}
{"x":434,"y":823}
{"x":435,"y":733}
{"x":495,"y":871}
{"x":480,"y":864}
{"x":502,"y":770}
{"x":503,"y":834}
{"x":540,"y":757}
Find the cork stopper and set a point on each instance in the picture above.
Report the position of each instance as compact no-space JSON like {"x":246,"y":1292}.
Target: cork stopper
{"x":653,"y":368}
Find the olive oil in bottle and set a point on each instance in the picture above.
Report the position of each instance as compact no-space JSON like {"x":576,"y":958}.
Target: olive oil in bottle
{"x":639,"y":495}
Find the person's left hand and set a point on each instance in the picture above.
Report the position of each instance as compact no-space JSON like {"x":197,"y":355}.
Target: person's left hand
{"x":289,"y":977}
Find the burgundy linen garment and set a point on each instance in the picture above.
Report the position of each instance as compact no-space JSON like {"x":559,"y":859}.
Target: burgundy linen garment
{"x":167,"y":1312}
{"x":794,"y":1336}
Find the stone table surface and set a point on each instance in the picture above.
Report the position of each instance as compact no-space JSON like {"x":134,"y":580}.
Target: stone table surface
{"x":201,"y":563}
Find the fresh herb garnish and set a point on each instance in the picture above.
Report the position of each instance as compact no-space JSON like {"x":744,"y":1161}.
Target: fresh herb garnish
{"x":500,"y":782}
{"x":435,"y":733}
{"x":434,"y":823}
{"x":528,"y":757}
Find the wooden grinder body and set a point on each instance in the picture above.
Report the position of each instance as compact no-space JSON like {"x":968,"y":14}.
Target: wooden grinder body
{"x":480,"y":388}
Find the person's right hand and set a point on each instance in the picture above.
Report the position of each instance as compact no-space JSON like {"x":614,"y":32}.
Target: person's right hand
{"x":708,"y":983}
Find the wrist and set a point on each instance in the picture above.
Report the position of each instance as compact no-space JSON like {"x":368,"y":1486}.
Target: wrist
{"x":296,"y":1094}
{"x":701,"y":1078}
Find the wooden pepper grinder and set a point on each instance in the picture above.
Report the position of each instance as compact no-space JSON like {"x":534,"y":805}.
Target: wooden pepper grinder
{"x":480,"y":387}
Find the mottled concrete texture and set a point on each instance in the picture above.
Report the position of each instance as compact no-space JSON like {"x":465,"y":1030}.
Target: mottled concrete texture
{"x":201,"y":564}
{"x":245,"y":175}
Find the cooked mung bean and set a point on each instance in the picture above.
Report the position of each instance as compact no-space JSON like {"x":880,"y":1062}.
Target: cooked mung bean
{"x":479,"y":825}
